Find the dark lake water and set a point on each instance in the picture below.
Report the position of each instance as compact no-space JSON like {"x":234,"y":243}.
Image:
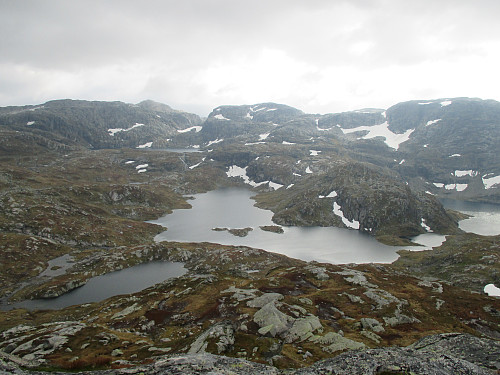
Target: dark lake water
{"x":233,"y":208}
{"x":485,"y":218}
{"x":128,"y":280}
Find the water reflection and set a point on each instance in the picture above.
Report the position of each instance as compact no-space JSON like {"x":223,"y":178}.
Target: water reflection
{"x":484,"y":220}
{"x":233,"y":208}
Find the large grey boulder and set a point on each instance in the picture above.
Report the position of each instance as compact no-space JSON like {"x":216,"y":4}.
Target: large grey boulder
{"x":271,"y":320}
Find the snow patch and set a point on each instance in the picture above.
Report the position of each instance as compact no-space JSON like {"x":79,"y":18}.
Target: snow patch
{"x":145,"y":145}
{"x":288,"y":143}
{"x":402,"y":161}
{"x":438,"y":184}
{"x":470,"y":172}
{"x":142,"y":170}
{"x":492,"y":290}
{"x":141,"y":166}
{"x":337,"y":210}
{"x":432,"y":122}
{"x":296,"y":174}
{"x":235,"y":171}
{"x":314,"y":152}
{"x":289,"y":186}
{"x":214,"y":142}
{"x":333,"y":194}
{"x":426,"y":145}
{"x":491,"y":181}
{"x":454,"y":156}
{"x":249,"y":116}
{"x":392,"y":140}
{"x":271,"y":109}
{"x":428,"y":192}
{"x":196,"y":165}
{"x":112,"y":132}
{"x":195,"y":128}
{"x":130,"y":162}
{"x":446,"y":103}
{"x":384,"y":114}
{"x":425,"y":226}
{"x":29,"y":123}
{"x":425,"y":103}
{"x":221,"y":117}
{"x":308,"y":170}
{"x":457,"y":187}
{"x":263,"y":136}
{"x":254,"y":143}
{"x":274,"y":185}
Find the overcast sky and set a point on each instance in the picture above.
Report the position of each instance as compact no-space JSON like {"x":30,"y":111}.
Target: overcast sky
{"x":320,"y":56}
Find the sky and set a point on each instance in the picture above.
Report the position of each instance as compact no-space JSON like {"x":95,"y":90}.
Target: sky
{"x":321,"y":56}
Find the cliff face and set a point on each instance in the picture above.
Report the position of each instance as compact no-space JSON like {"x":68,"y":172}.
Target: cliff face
{"x":359,"y":196}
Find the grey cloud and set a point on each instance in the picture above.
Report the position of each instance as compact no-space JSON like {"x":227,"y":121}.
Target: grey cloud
{"x":174,"y":41}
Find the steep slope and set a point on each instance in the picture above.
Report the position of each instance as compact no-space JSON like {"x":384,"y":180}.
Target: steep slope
{"x":359,"y":196}
{"x":98,"y":124}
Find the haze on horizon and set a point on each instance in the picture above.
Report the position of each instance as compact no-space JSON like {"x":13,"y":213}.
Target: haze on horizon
{"x":320,"y":56}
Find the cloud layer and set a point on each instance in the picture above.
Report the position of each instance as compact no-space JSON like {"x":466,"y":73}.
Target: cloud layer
{"x":318,"y":55}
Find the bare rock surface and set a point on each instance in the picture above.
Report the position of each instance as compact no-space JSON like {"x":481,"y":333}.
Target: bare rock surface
{"x":443,"y":354}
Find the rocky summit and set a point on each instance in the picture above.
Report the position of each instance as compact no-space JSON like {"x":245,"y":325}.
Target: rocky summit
{"x":80,"y":182}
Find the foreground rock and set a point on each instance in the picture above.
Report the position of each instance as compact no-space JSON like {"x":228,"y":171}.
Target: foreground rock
{"x":446,"y":354}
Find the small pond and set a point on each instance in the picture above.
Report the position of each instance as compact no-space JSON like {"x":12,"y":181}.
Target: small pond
{"x":128,"y":280}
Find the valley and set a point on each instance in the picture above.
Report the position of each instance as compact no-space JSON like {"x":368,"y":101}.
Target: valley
{"x":91,"y":179}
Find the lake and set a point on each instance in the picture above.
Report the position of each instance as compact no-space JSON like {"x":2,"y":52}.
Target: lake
{"x":234,"y":208}
{"x":128,"y":280}
{"x":485,"y":218}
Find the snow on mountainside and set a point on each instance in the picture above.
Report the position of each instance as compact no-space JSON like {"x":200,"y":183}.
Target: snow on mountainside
{"x":427,"y":142}
{"x":98,"y":125}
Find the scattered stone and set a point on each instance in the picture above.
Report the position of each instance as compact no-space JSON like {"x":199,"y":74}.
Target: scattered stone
{"x":319,"y":272}
{"x":302,"y":329}
{"x":265,"y":299}
{"x":333,"y":342}
{"x":306,"y":301}
{"x":372,"y":336}
{"x":240,"y":294}
{"x":126,"y":311}
{"x":223,"y":332}
{"x":372,"y":325}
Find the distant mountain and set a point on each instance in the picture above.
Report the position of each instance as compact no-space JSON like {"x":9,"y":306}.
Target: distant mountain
{"x":98,"y":125}
{"x":445,"y":147}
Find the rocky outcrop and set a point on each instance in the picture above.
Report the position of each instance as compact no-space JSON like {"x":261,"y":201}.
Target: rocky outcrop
{"x":451,"y":354}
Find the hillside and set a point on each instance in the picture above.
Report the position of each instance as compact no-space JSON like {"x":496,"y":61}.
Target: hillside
{"x":82,"y":178}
